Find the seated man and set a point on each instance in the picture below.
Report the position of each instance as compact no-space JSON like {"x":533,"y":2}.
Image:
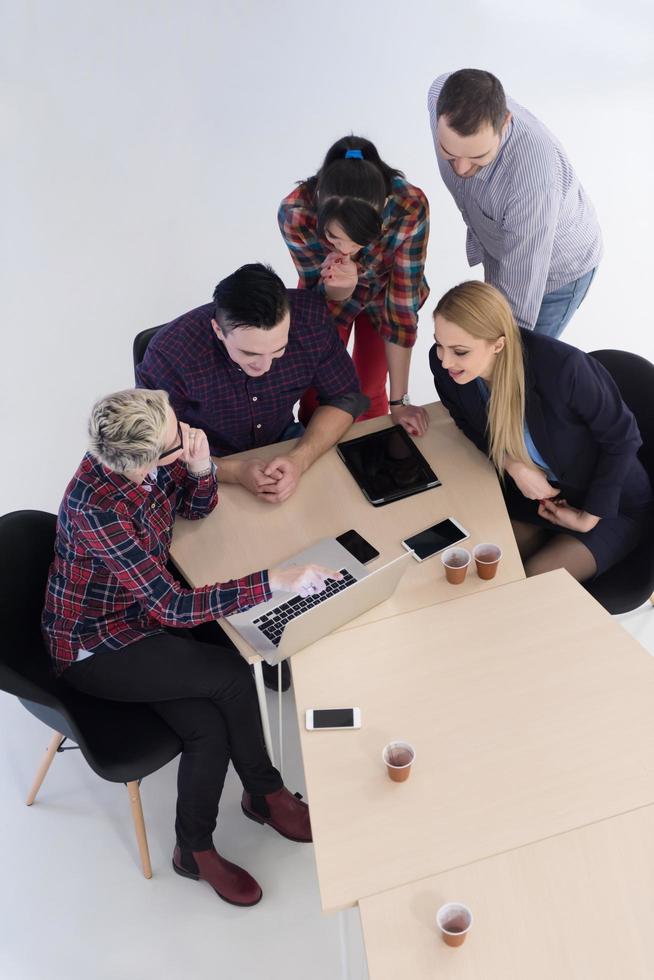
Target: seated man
{"x":237,"y":366}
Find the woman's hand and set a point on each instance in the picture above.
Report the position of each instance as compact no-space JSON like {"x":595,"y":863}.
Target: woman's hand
{"x":339,"y":272}
{"x":413,"y":418}
{"x":560,"y":512}
{"x":304,"y":579}
{"x":196,"y":453}
{"x":531,"y":482}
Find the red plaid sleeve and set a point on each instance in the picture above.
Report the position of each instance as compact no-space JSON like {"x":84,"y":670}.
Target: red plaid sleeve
{"x":112,"y":539}
{"x":196,"y":496}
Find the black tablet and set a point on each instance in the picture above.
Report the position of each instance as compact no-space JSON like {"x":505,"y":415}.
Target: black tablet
{"x":387,"y":465}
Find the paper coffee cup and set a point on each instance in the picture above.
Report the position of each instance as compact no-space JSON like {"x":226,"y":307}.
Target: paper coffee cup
{"x":398,"y":757}
{"x":454,"y":920}
{"x":456,"y":562}
{"x":487,"y":557}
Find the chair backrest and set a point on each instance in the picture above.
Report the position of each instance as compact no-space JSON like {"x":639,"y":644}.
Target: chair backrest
{"x":634,"y":376}
{"x":141,"y":342}
{"x":26,"y":550}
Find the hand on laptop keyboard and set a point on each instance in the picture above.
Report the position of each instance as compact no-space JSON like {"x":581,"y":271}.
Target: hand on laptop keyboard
{"x":273,"y":623}
{"x":304,"y":579}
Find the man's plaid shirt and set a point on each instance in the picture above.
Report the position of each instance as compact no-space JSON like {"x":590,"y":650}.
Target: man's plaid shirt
{"x":108,"y":585}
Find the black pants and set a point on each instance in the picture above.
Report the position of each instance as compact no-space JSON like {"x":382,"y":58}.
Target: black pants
{"x":206,"y":694}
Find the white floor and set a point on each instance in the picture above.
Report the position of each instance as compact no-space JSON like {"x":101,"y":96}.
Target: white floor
{"x":73,"y":902}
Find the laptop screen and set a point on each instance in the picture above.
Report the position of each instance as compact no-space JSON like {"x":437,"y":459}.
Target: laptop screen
{"x":387,"y":465}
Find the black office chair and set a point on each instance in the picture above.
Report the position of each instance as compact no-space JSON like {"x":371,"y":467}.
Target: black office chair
{"x":631,"y":582}
{"x":141,"y":342}
{"x":121,"y":742}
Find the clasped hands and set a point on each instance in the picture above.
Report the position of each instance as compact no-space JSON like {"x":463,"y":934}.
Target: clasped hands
{"x":533,"y":484}
{"x":339,"y":271}
{"x":273,"y":482}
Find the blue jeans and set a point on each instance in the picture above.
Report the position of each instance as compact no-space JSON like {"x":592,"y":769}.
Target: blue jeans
{"x":558,"y":307}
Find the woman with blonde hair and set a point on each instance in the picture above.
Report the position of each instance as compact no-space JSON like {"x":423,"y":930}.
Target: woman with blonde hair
{"x":552,"y":420}
{"x":120,"y":627}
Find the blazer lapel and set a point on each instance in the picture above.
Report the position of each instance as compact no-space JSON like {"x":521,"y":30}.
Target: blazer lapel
{"x":537,"y":421}
{"x":475,"y":406}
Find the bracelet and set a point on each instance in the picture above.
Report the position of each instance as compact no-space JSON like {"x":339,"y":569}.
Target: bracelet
{"x":201,"y":473}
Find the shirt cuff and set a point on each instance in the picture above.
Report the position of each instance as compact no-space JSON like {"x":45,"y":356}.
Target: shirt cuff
{"x":257,"y":590}
{"x":201,"y":477}
{"x":354,"y":402}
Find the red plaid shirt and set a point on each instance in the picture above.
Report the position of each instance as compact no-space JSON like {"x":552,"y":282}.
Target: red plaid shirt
{"x":108,"y":585}
{"x":392,"y":285}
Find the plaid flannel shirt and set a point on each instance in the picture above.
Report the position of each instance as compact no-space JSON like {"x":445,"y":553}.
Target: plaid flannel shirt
{"x":108,"y":585}
{"x":392,"y":286}
{"x":210,"y":391}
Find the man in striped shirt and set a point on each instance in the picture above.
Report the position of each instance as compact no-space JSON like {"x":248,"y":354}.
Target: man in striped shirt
{"x":529,"y":220}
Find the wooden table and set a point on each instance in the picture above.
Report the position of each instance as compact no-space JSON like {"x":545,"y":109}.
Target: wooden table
{"x":578,"y":906}
{"x":244,"y":534}
{"x":531,"y":712}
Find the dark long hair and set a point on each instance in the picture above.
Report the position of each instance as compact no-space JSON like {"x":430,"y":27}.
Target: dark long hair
{"x":352,"y":191}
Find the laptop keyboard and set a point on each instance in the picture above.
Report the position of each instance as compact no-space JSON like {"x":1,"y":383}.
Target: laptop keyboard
{"x":273,"y":622}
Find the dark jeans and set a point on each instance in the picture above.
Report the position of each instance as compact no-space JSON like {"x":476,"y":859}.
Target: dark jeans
{"x":206,"y":694}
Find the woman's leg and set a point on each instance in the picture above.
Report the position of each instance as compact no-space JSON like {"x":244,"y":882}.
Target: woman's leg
{"x":528,"y":537}
{"x":369,"y":356}
{"x":563,"y":551}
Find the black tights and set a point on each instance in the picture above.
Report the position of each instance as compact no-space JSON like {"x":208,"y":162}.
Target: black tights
{"x":542,"y":551}
{"x":206,"y":694}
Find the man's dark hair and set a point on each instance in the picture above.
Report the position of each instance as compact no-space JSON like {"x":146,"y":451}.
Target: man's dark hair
{"x":471,"y":97}
{"x":253,"y":296}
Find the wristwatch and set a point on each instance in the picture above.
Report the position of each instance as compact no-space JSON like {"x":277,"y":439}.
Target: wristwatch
{"x":404,"y":400}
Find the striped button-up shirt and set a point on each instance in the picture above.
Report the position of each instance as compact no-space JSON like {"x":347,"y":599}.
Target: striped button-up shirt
{"x":108,"y":585}
{"x":529,"y":219}
{"x":392,"y":285}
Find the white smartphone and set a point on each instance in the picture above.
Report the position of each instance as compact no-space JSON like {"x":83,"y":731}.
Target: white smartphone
{"x":330,"y":718}
{"x":436,"y":538}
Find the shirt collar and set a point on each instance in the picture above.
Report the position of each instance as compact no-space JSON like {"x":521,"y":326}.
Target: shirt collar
{"x":486,"y":172}
{"x":124,"y":488}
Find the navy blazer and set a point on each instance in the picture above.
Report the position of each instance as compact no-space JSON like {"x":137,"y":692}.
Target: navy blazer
{"x":577,"y":419}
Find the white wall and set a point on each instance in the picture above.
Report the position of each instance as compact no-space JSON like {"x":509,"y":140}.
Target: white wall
{"x":150,"y":143}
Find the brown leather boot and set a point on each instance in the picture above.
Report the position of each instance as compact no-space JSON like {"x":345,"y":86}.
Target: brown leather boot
{"x":231,"y":883}
{"x":287,"y":814}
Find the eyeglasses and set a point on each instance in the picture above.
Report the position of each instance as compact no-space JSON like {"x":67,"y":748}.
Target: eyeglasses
{"x":180,"y":444}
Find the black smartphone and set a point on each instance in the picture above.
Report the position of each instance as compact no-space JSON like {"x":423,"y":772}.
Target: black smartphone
{"x":358,"y":547}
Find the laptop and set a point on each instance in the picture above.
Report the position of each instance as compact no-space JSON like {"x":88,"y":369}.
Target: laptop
{"x":287,"y":623}
{"x":387,"y":465}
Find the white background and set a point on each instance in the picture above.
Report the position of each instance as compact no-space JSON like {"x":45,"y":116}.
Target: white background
{"x":151,"y":142}
{"x":149,"y":145}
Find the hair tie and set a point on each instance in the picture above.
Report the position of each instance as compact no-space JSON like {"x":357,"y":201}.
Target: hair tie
{"x":353,"y":155}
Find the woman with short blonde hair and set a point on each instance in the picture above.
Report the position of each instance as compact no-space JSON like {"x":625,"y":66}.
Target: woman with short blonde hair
{"x":552,"y":420}
{"x":120,"y":626}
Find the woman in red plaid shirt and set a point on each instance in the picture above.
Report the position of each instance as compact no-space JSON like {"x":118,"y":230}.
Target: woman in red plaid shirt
{"x":119,"y":626}
{"x":357,"y":231}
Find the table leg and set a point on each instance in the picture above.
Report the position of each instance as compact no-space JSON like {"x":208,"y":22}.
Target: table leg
{"x":353,"y":959}
{"x":263,"y":709}
{"x":279,"y":717}
{"x":345,"y":958}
